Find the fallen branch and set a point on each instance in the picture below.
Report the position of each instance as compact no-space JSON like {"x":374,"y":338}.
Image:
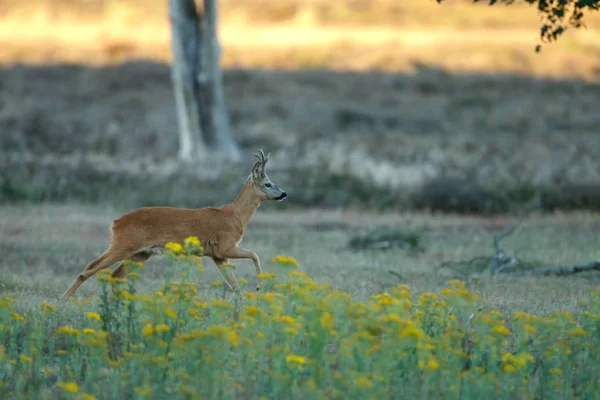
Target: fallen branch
{"x":397,"y":275}
{"x":499,"y":263}
{"x":558,"y":271}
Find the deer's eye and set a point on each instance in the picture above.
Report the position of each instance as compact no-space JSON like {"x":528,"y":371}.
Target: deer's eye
{"x":268,"y":185}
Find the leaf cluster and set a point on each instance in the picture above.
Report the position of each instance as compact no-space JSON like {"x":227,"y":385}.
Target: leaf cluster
{"x":557,"y":15}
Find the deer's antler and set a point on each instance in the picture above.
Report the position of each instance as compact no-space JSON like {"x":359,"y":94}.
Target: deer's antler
{"x":262,"y":160}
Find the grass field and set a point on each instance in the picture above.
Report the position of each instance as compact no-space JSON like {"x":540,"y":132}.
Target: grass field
{"x":51,"y":245}
{"x":333,"y":336}
{"x":464,"y":116}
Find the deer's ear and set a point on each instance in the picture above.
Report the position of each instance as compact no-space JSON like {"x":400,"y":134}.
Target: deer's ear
{"x":257,"y":171}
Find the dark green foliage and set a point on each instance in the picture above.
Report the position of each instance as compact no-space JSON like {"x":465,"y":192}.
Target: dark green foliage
{"x":557,"y":14}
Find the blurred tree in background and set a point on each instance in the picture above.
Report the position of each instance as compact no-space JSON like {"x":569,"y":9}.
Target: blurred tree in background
{"x":197,"y":82}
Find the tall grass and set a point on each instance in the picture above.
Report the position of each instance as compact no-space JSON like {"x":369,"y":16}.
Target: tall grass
{"x":298,"y":339}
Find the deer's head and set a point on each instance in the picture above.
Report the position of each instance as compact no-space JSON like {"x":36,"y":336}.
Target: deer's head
{"x":262,"y":185}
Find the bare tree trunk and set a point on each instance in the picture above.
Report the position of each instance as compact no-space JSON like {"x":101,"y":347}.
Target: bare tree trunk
{"x":220,"y":135}
{"x":185,"y":42}
{"x":197,"y":83}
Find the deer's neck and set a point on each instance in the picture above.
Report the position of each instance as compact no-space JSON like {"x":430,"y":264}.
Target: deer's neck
{"x":246,"y":204}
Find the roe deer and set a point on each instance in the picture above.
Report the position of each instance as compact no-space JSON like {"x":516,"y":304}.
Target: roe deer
{"x":139,"y":235}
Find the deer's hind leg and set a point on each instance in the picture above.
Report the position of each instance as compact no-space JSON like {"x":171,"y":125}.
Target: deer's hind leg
{"x":142,"y":256}
{"x":111,"y":256}
{"x":121,"y":270}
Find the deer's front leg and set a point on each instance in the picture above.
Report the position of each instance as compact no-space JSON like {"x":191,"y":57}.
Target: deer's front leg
{"x":227,"y":274}
{"x":238,"y":252}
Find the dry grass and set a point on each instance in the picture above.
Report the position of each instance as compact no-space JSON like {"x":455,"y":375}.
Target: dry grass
{"x":73,"y":132}
{"x":43,"y":249}
{"x":447,"y":93}
{"x":352,"y":35}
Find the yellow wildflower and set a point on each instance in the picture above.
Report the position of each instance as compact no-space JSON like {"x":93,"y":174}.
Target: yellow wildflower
{"x":148,"y":330}
{"x":267,"y":276}
{"x":591,"y":315}
{"x":270,"y":297}
{"x":564,"y":314}
{"x":134,"y":264}
{"x":68,"y":331}
{"x":433,"y":365}
{"x":217,"y":284}
{"x":174,"y":247}
{"x":509,"y":368}
{"x":457,"y":283}
{"x":228,"y":265}
{"x":579,"y":331}
{"x":364,"y":383}
{"x":392,"y":318}
{"x":133,"y":276}
{"x":522,"y":359}
{"x":192,"y":241}
{"x":279,"y":259}
{"x":501,"y":330}
{"x":403,"y":287}
{"x":530,"y":329}
{"x":93,"y":315}
{"x":144,"y":391}
{"x":555,"y":371}
{"x":260,"y":334}
{"x":161,"y":328}
{"x":292,"y":331}
{"x":412,"y":332}
{"x":252,"y":310}
{"x":85,"y":396}
{"x":328,"y":322}
{"x":17,"y":317}
{"x":170,"y":313}
{"x":47,"y":307}
{"x":521,"y":315}
{"x":234,"y":339}
{"x":384,"y":299}
{"x":114,"y":363}
{"x":295,"y":360}
{"x":70,"y":387}
{"x":287,"y":319}
{"x":25,"y":359}
{"x":426,"y":297}
{"x":507,"y":357}
{"x":88,"y":331}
